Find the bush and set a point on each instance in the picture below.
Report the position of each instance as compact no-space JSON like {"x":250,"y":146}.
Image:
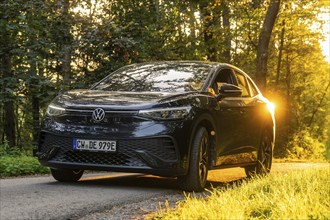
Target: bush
{"x":16,"y":161}
{"x":20,"y":165}
{"x":303,"y":146}
{"x":5,"y":149}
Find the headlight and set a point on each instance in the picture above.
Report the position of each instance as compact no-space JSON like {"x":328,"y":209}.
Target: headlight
{"x":271,"y":107}
{"x":166,"y":113}
{"x":54,"y":110}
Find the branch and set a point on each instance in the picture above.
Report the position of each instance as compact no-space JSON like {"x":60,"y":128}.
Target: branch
{"x":319,"y":105}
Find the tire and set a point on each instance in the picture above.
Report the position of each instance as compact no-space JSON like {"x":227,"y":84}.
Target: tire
{"x":66,"y":175}
{"x":196,"y":178}
{"x":265,"y":157}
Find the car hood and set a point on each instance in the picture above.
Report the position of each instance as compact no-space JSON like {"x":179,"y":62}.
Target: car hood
{"x":86,"y":99}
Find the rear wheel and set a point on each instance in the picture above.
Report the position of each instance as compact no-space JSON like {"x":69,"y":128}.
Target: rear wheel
{"x":196,"y":178}
{"x":265,"y":157}
{"x":63,"y":175}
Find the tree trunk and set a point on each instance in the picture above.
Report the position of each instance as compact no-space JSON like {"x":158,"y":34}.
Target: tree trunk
{"x":34,"y":91}
{"x":10,"y":123}
{"x":192,"y":26}
{"x":66,"y":49}
{"x":9,"y":120}
{"x":225,"y":56}
{"x":19,"y":124}
{"x":9,"y":112}
{"x":208,"y":22}
{"x":278,"y":70}
{"x":157,"y":10}
{"x":264,"y":38}
{"x":2,"y":125}
{"x":35,"y":118}
{"x":287,"y":117}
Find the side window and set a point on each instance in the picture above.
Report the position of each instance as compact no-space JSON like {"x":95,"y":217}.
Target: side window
{"x":242,"y":83}
{"x":253,"y":90}
{"x":224,"y":76}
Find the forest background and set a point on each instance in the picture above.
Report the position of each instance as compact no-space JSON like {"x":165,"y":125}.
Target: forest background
{"x":47,"y":46}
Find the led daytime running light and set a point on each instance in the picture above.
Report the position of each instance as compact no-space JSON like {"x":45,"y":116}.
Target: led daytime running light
{"x":54,"y":110}
{"x":166,"y":113}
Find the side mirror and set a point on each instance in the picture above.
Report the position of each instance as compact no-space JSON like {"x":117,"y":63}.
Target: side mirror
{"x":229,"y":90}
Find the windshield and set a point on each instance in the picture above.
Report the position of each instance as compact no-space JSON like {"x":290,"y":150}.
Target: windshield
{"x":159,"y":77}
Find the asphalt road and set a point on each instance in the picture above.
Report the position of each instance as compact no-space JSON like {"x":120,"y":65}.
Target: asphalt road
{"x":45,"y":198}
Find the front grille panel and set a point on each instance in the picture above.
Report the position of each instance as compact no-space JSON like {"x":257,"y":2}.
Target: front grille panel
{"x":162,"y":147}
{"x":85,"y":117}
{"x":101,"y":158}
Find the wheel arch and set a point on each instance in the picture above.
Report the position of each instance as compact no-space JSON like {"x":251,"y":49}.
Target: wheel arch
{"x":269,"y":126}
{"x":207,"y":121}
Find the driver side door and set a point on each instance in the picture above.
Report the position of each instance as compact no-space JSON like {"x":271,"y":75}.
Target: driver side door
{"x":233,"y":121}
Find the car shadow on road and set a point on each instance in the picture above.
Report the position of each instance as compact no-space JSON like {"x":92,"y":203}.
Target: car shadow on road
{"x":127,"y":181}
{"x":134,"y":181}
{"x":121,"y":181}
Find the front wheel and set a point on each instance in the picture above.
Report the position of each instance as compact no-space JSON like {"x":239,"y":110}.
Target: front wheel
{"x":195,"y":180}
{"x":265,"y":157}
{"x":62,"y":175}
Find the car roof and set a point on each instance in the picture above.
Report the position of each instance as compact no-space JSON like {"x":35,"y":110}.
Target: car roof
{"x":212,"y":64}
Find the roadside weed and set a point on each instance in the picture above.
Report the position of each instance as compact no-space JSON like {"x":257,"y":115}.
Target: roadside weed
{"x":296,"y":195}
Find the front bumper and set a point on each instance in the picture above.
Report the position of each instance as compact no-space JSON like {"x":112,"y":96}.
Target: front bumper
{"x":161,"y":150}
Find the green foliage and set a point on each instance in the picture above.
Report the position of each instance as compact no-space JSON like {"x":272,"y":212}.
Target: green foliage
{"x":303,"y":146}
{"x":6,"y":150}
{"x":20,"y":165}
{"x":47,"y":46}
{"x":296,"y":195}
{"x":17,"y":162}
{"x":300,"y":85}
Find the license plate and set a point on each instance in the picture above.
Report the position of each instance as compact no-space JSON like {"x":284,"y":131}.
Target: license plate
{"x":94,"y":145}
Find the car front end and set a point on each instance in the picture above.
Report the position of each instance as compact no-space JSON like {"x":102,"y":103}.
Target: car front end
{"x":148,"y":137}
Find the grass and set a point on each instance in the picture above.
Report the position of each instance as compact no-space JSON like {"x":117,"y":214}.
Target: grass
{"x":296,"y":195}
{"x":292,"y":160}
{"x":17,"y":165}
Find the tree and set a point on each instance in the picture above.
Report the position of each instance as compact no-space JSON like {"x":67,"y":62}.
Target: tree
{"x":48,"y":45}
{"x":8,"y":30}
{"x":298,"y":78}
{"x":225,"y":55}
{"x":264,"y":39}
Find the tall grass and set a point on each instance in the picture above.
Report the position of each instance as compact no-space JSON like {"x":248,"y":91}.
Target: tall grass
{"x":296,"y":195}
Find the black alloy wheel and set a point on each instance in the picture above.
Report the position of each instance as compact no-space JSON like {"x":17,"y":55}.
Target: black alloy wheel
{"x":196,"y":178}
{"x":265,"y":157}
{"x":62,"y":175}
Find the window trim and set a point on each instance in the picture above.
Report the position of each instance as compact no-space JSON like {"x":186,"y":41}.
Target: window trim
{"x":252,"y":85}
{"x":217,"y":72}
{"x":236,"y":72}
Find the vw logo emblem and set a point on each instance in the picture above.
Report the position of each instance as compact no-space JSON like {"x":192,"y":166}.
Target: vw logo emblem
{"x":98,"y":114}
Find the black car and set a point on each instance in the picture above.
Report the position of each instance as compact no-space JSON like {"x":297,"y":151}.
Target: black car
{"x":177,"y":119}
